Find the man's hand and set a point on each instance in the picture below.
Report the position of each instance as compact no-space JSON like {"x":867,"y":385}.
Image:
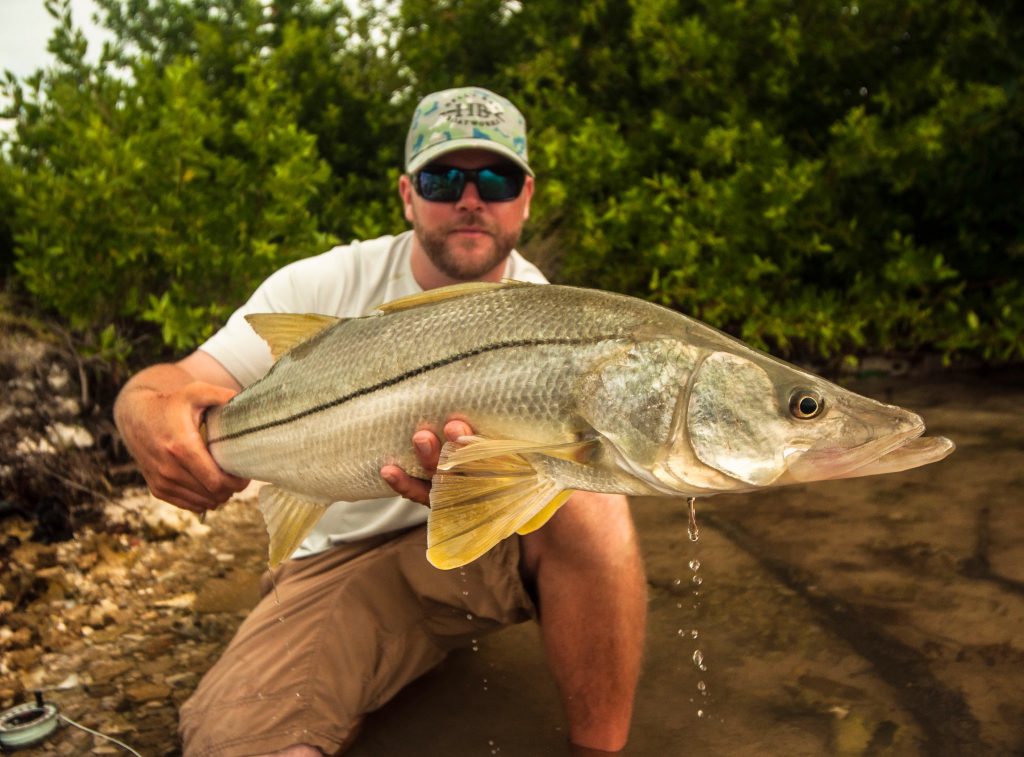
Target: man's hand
{"x":428,"y":450}
{"x":158,"y":414}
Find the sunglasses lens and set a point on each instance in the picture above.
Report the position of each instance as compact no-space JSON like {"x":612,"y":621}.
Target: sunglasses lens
{"x":499,"y":184}
{"x":443,"y":184}
{"x":440,"y":184}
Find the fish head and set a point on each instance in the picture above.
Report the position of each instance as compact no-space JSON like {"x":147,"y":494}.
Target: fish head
{"x":761,"y":422}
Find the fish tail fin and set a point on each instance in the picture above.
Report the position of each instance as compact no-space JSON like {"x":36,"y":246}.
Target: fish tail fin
{"x":477,"y":500}
{"x":289,"y":518}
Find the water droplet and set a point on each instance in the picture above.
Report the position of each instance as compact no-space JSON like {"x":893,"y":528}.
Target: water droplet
{"x":679,"y":605}
{"x":694,"y":634}
{"x":681,"y":632}
{"x":701,"y":686}
{"x":469,"y":616}
{"x":698,"y":659}
{"x":863,"y":91}
{"x":695,"y":564}
{"x":677,"y":582}
{"x":700,"y":713}
{"x":698,"y":580}
{"x":691,"y":526}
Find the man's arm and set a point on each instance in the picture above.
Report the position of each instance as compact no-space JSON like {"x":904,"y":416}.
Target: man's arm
{"x":158,"y":413}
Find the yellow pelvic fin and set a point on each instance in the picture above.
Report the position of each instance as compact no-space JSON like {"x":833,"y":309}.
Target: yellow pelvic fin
{"x":283,"y":331}
{"x":478,"y":501}
{"x":290,"y":518}
{"x":544,"y":515}
{"x":441,"y":294}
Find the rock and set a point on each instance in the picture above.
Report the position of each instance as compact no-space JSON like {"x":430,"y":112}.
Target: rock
{"x":157,"y":645}
{"x":65,"y":436}
{"x":182,"y":601}
{"x":67,"y":407}
{"x":104,"y":671}
{"x":163,"y":520}
{"x":58,"y":377}
{"x":71,"y":682}
{"x":104,"y":613}
{"x":24,"y":659}
{"x":18,"y":639}
{"x":30,"y":446}
{"x":147,"y":692}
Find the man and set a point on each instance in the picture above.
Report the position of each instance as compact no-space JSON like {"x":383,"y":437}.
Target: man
{"x":358,"y":612}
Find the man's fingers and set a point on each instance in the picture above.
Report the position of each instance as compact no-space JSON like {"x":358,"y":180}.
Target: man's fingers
{"x":455,"y":428}
{"x":415,"y":489}
{"x":428,"y":449}
{"x":182,"y":497}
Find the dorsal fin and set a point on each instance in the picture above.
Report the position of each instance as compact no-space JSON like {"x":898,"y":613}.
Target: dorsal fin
{"x":283,"y":331}
{"x":446,"y":293}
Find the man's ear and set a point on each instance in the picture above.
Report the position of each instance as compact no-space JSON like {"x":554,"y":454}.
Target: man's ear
{"x":527,"y":195}
{"x":405,"y":191}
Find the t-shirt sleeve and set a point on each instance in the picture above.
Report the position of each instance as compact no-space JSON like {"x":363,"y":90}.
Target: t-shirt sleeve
{"x":296,"y":288}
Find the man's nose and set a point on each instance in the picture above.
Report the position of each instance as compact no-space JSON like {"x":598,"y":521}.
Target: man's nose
{"x":470,"y":199}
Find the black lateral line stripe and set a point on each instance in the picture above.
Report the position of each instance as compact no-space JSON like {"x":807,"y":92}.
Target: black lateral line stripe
{"x":405,"y":377}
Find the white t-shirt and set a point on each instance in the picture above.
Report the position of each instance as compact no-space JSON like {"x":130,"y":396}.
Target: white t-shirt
{"x":347,"y":281}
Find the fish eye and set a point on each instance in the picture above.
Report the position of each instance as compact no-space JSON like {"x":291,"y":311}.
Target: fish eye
{"x":805,"y":405}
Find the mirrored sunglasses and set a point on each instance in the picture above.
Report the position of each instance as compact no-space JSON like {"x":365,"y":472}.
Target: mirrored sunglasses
{"x":446,"y":184}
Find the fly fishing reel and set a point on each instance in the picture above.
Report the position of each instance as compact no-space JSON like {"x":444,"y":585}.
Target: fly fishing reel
{"x":28,"y":723}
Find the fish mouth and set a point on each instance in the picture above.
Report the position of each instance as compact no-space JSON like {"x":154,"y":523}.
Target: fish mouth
{"x":912,"y":453}
{"x":895,"y":452}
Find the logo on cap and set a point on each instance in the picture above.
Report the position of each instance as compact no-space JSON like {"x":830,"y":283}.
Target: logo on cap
{"x":472,"y":110}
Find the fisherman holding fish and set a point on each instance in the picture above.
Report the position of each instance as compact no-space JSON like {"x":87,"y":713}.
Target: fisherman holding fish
{"x":358,"y":612}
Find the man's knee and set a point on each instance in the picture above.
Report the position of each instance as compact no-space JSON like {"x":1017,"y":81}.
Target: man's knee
{"x":590,"y":531}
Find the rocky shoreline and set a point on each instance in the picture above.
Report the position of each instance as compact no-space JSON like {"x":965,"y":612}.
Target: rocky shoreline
{"x":117,"y":628}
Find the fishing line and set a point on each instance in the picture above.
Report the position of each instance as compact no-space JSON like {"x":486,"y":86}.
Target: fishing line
{"x":29,"y":724}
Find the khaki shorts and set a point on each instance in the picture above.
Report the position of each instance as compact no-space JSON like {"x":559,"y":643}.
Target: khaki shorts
{"x":343,"y":633}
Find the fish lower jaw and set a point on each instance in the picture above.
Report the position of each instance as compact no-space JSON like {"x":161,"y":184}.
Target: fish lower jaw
{"x":839,"y":462}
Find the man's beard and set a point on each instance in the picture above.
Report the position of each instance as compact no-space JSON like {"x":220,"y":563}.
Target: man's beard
{"x":445,"y":255}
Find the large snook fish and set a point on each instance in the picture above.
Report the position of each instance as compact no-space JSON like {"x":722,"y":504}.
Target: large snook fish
{"x":566,"y":388}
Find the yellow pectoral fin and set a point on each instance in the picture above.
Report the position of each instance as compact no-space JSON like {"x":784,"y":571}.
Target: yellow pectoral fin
{"x":476,"y":504}
{"x":290,"y":518}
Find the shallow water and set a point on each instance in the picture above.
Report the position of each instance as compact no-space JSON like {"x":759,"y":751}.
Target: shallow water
{"x":864,"y":617}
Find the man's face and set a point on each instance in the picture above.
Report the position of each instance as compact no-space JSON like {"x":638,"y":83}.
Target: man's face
{"x":468,"y":238}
